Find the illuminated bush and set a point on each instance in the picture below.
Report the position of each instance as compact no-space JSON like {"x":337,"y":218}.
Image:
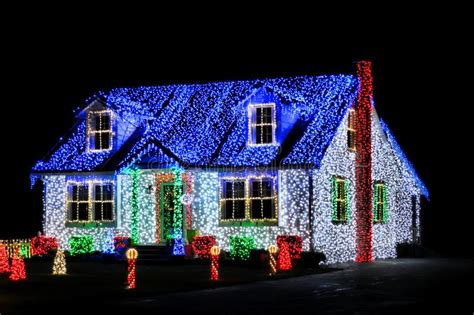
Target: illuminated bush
{"x":295,"y":243}
{"x":202,"y":245}
{"x":81,"y":245}
{"x":240,"y":247}
{"x":42,"y":245}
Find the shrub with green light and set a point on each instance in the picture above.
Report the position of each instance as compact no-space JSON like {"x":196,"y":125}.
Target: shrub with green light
{"x":240,"y":247}
{"x":81,"y":245}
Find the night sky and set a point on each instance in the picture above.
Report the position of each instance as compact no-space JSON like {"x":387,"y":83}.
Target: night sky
{"x":417,"y":92}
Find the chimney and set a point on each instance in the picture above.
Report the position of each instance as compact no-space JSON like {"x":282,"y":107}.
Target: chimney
{"x":363,"y":167}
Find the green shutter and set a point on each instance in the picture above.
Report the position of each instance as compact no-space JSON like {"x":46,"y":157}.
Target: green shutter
{"x":347,"y":199}
{"x":334,"y":196}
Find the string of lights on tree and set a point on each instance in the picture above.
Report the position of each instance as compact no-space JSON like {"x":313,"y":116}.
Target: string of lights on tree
{"x":59,"y":263}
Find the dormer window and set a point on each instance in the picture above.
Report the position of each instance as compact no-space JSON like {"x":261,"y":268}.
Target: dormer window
{"x":100,"y":131}
{"x":262,"y":124}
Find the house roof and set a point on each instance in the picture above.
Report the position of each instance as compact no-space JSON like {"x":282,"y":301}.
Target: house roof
{"x":404,"y":160}
{"x":206,"y":124}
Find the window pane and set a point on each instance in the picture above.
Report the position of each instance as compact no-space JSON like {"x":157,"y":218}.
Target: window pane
{"x":267,"y":115}
{"x":267,"y":134}
{"x":74,"y":195}
{"x":259,"y":114}
{"x":107,"y":211}
{"x":104,"y":140}
{"x":83,"y":211}
{"x":228,"y":190}
{"x":95,"y":122}
{"x":105,"y":122}
{"x":256,"y":188}
{"x":239,"y":209}
{"x":98,"y":211}
{"x":258,"y":136}
{"x":83,"y":193}
{"x":73,"y":211}
{"x":107,"y":192}
{"x":227,"y":213}
{"x":96,"y":143}
{"x":266,"y":188}
{"x":97,"y":192}
{"x":256,"y":209}
{"x":239,"y":190}
{"x":268,"y":208}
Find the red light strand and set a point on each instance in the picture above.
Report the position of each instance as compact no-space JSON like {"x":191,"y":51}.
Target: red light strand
{"x":131,"y":273}
{"x":214,"y":267}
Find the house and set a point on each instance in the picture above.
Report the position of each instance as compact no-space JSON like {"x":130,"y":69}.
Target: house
{"x":305,"y":156}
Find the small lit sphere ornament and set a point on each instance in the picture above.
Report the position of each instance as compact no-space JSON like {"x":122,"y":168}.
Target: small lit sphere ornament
{"x":131,"y":253}
{"x":186,"y":199}
{"x":215,"y":250}
{"x":272,"y":249}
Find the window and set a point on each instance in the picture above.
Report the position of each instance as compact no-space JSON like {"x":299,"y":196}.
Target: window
{"x":233,"y":199}
{"x":103,"y":202}
{"x":351,"y":130}
{"x":261,"y":199}
{"x":380,"y":203}
{"x":90,"y":202}
{"x":248,"y":199}
{"x":262,"y":124}
{"x":340,"y":199}
{"x":100,"y":131}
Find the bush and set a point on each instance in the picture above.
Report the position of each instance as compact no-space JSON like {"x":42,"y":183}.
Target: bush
{"x":295,"y":244}
{"x":83,"y":244}
{"x":240,"y":247}
{"x":202,"y":245}
{"x":42,"y":245}
{"x":312,"y":259}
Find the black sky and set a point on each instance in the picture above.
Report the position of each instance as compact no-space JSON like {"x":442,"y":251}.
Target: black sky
{"x":417,"y":92}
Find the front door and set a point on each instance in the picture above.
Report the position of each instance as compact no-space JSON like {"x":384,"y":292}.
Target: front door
{"x":172,"y":211}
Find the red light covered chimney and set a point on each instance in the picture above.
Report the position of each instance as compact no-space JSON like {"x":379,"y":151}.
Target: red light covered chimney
{"x":363,"y":171}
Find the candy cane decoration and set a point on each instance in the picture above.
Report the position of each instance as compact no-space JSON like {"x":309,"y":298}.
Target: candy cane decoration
{"x":215,"y":251}
{"x":132,"y":255}
{"x":272,"y":249}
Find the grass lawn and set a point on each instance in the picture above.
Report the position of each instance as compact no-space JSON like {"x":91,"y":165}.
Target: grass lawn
{"x":91,"y":283}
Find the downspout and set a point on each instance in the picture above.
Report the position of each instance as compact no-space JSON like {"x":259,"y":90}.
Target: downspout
{"x":363,"y":167}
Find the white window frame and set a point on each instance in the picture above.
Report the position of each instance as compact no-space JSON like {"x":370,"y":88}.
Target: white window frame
{"x":90,"y":200}
{"x":252,"y":124}
{"x":91,"y":133}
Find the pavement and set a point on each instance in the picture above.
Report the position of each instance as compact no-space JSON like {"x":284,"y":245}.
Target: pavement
{"x":392,"y":286}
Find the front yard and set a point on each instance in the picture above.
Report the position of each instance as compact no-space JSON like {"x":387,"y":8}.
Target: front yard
{"x":98,"y":283}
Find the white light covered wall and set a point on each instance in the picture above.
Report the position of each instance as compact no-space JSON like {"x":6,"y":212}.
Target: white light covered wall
{"x":384,"y":168}
{"x":55,"y":218}
{"x":335,"y":240}
{"x":293,"y":210}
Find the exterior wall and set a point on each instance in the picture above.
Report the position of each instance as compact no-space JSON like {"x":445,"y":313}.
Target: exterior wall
{"x":384,"y":168}
{"x":55,"y":218}
{"x":293,"y":206}
{"x":335,"y":240}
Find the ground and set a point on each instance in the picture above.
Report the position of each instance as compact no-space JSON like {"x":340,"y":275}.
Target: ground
{"x":386,"y":286}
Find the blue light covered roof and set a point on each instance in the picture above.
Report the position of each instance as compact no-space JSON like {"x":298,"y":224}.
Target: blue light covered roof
{"x":403,"y":158}
{"x":206,"y":124}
